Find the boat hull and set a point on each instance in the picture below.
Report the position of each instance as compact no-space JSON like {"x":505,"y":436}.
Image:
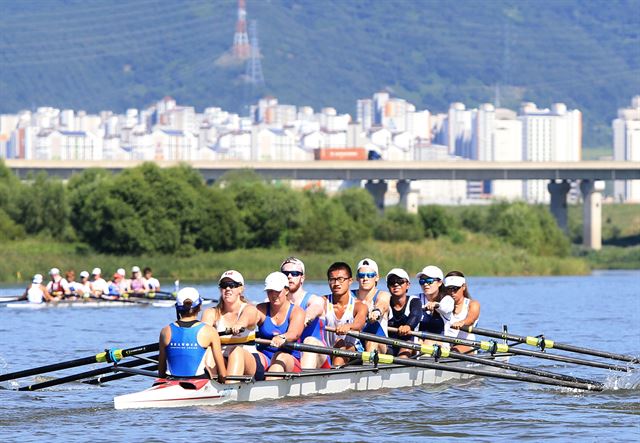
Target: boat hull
{"x":174,"y":393}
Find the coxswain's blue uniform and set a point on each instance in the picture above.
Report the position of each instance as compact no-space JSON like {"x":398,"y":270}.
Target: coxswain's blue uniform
{"x":185,"y":356}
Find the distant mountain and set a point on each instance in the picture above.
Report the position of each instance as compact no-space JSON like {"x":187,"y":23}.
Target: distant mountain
{"x":95,"y":55}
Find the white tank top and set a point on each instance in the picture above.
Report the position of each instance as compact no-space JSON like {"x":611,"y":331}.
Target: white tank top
{"x":457,"y":333}
{"x":332,"y":321}
{"x":35,"y":294}
{"x":229,"y":342}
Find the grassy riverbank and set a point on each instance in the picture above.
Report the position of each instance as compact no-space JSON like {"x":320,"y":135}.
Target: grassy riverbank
{"x":473,"y":254}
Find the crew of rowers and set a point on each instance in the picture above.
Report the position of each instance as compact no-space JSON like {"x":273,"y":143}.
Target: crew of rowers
{"x":221,"y":343}
{"x":90,"y":286}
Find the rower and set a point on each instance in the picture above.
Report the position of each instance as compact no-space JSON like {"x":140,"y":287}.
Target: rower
{"x":137,"y":283}
{"x":36,"y":292}
{"x":184,"y":343}
{"x":150,"y":282}
{"x":406,"y":310}
{"x":280,"y":321}
{"x":343,"y":311}
{"x":58,"y":286}
{"x":436,"y":305}
{"x":376,"y":301}
{"x":84,"y":287}
{"x":98,"y":284}
{"x":235,"y":313}
{"x":75,"y":287}
{"x":114,"y":287}
{"x":313,"y":306}
{"x":465,"y":312}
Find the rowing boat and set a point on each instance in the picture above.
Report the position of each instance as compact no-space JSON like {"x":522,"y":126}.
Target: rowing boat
{"x":167,"y":393}
{"x":94,"y":303}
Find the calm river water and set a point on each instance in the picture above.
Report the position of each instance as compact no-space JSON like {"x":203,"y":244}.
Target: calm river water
{"x":600,"y":311}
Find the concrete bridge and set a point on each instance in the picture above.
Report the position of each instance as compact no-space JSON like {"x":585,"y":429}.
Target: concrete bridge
{"x":590,"y":174}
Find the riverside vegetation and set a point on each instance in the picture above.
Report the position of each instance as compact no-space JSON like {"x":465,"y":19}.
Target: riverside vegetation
{"x":170,"y":220}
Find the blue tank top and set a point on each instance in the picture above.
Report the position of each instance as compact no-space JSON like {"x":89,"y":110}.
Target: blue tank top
{"x":433,"y":322}
{"x":268,"y":330}
{"x":185,"y":356}
{"x":316,"y":327}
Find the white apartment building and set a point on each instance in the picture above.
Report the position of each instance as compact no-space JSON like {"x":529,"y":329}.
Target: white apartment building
{"x":459,"y":131}
{"x":549,"y":135}
{"x":626,"y":147}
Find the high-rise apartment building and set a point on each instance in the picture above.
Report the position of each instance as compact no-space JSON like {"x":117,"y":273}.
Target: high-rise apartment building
{"x":626,"y":147}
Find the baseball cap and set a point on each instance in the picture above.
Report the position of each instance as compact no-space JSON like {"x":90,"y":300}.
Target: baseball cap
{"x":368,"y":262}
{"x":431,"y":271}
{"x":294,"y":261}
{"x":276,"y":281}
{"x":454,"y":280}
{"x":188,"y":293}
{"x":96,"y":271}
{"x":121,"y":272}
{"x":233,"y":275}
{"x":37,"y":279}
{"x":54,"y":271}
{"x":398,"y":272}
{"x":84,"y":274}
{"x":135,"y":269}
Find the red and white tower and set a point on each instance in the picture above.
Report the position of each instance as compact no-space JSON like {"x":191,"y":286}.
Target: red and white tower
{"x":241,"y":48}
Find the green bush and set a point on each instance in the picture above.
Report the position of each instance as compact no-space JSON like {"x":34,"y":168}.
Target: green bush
{"x":397,"y":224}
{"x":42,"y":206}
{"x":436,"y":221}
{"x":359,"y":205}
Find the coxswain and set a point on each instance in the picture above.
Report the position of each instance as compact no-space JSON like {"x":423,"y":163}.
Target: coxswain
{"x":465,"y":312}
{"x":58,"y":287}
{"x":234,"y":313}
{"x":343,"y":311}
{"x":313,"y":306}
{"x":184,"y":343}
{"x":406,"y":310}
{"x":376,"y":301}
{"x":279,"y":321}
{"x":36,"y":292}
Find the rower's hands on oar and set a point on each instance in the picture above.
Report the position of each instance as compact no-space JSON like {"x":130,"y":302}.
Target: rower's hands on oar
{"x":278,"y":340}
{"x":404,"y":330}
{"x":431,"y":306}
{"x":236,"y":329}
{"x":343,"y":329}
{"x":374,"y":315}
{"x":457,"y":325}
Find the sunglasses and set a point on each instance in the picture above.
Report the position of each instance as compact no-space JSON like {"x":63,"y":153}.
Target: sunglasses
{"x":428,"y":280}
{"x":229,"y":284}
{"x":292,"y":273}
{"x":366,"y":274}
{"x":452,"y":288}
{"x":396,"y":282}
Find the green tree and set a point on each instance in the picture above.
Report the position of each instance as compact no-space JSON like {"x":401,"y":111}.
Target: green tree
{"x":436,"y":221}
{"x":359,"y":205}
{"x":42,"y":206}
{"x":220,"y":227}
{"x":397,"y":224}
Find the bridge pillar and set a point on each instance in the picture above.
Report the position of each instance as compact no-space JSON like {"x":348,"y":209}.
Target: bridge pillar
{"x":559,"y":191}
{"x":592,"y":213}
{"x":408,"y":196}
{"x":377,"y":189}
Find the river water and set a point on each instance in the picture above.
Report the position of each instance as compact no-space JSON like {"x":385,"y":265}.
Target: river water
{"x":600,"y":311}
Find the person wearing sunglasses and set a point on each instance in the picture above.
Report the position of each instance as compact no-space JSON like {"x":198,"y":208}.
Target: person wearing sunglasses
{"x":343,"y":311}
{"x":376,"y":301}
{"x":313,"y":306}
{"x":465,"y":312}
{"x":279,"y":321}
{"x":234,"y":313}
{"x":436,"y":305}
{"x":406,"y":310}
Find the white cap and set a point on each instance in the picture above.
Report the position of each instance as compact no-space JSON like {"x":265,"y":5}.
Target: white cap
{"x":135,"y":269}
{"x":276,"y":281}
{"x":188,"y":293}
{"x":398,"y":272}
{"x":431,"y":271}
{"x":121,"y":272}
{"x":96,"y":271}
{"x":84,"y":274}
{"x":37,"y":279}
{"x":367,"y":262}
{"x":454,"y":280}
{"x":294,"y":261}
{"x":233,"y":275}
{"x":54,"y":271}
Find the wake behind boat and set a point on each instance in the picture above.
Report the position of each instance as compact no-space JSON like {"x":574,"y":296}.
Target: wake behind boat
{"x":96,"y":303}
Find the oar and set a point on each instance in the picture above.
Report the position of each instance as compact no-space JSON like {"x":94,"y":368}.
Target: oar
{"x":102,"y":357}
{"x":118,"y":376}
{"x":544,"y":343}
{"x":80,"y":376}
{"x":439,"y":352}
{"x":374,"y":357}
{"x":493,"y":346}
{"x":9,"y":299}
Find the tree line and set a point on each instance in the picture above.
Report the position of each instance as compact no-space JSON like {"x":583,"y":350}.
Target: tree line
{"x":149,"y":209}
